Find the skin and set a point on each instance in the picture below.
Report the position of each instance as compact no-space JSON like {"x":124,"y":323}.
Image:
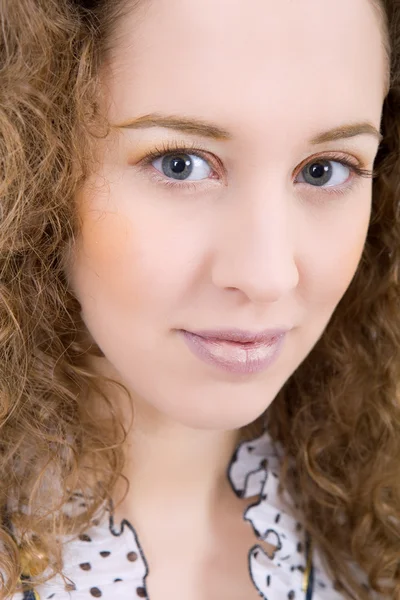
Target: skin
{"x":252,"y":246}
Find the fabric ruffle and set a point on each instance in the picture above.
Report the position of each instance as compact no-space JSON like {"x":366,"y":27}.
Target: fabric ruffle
{"x":254,"y":471}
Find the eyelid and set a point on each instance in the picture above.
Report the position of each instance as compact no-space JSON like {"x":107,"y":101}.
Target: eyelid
{"x":334,"y":156}
{"x":170,"y":147}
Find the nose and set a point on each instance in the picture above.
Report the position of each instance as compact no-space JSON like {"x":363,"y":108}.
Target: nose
{"x":255,"y":252}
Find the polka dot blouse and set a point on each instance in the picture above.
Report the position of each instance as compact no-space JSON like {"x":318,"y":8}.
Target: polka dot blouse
{"x":108,"y":562}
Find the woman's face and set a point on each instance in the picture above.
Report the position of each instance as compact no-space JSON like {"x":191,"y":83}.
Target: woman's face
{"x":261,"y":225}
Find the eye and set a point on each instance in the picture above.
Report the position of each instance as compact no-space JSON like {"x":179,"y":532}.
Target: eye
{"x":182,"y":166}
{"x":326,"y":173}
{"x":175,"y":165}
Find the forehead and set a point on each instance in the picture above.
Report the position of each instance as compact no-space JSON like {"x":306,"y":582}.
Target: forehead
{"x":246,"y":62}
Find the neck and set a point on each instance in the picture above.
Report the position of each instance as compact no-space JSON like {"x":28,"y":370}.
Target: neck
{"x":168,"y":465}
{"x":173,"y":466}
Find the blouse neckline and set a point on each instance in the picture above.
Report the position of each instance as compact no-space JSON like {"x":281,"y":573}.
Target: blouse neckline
{"x":109,"y":562}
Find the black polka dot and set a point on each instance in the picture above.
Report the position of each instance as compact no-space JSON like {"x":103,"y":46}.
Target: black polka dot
{"x":117,"y":579}
{"x":298,"y":526}
{"x":132,"y":556}
{"x":85,"y":566}
{"x":277,"y":518}
{"x":264,"y":463}
{"x":299,"y":547}
{"x":85,"y":538}
{"x":141,"y":592}
{"x":268,"y":580}
{"x":291,"y":595}
{"x":105,"y":553}
{"x":51,"y":596}
{"x":95,"y":592}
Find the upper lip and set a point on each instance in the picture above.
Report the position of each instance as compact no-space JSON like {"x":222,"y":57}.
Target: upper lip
{"x":240,"y":335}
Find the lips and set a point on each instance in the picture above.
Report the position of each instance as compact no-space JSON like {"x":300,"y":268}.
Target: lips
{"x":236,"y":351}
{"x":267,"y":336}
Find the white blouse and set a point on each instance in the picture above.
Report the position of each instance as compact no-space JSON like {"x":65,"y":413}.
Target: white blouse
{"x":108,"y":561}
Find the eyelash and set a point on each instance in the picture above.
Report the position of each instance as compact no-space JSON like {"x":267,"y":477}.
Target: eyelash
{"x":196,"y":149}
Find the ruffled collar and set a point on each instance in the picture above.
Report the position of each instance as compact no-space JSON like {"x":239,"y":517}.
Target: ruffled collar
{"x":108,"y":561}
{"x":255,"y":471}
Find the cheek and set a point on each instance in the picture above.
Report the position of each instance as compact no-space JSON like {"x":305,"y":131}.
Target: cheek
{"x":338,"y":253}
{"x":102,"y":256}
{"x":128,"y":261}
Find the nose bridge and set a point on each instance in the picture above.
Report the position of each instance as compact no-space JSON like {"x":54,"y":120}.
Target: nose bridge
{"x":256,"y":243}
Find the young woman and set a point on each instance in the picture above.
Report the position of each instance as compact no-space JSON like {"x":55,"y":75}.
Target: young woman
{"x":199,"y":324}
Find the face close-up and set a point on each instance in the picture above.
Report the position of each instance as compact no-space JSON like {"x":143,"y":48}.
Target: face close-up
{"x":253,"y":224}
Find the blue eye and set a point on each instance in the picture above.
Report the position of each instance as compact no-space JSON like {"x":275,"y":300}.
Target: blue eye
{"x":326,"y":173}
{"x":193,"y":168}
{"x":183,"y":167}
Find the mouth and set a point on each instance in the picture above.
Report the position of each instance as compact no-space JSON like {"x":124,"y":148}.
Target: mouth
{"x":241,"y":335}
{"x":239,"y":356}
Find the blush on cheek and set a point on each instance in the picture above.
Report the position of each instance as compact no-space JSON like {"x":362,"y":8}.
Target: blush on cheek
{"x":107,"y":260}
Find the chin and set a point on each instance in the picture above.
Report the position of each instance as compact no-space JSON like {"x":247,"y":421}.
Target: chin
{"x":212,"y":420}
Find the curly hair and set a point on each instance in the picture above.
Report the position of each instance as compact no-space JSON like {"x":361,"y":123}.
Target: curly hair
{"x":338,"y":415}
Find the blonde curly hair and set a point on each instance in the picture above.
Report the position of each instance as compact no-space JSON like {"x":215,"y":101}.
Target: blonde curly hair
{"x":338,"y":416}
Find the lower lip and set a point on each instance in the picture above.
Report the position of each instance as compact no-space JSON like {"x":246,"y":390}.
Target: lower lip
{"x":232,"y":356}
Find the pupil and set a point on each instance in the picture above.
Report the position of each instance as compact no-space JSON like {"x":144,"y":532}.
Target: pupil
{"x":178,"y":165}
{"x":318,"y":170}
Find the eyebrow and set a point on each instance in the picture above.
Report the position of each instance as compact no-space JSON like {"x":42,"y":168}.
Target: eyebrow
{"x":209,"y":130}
